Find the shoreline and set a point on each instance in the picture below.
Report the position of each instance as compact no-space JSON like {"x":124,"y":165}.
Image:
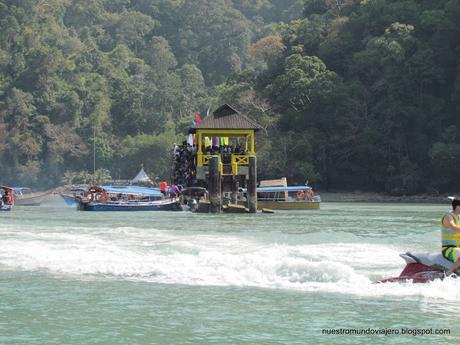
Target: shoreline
{"x":381,"y":198}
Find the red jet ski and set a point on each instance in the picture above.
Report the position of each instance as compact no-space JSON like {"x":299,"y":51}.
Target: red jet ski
{"x":421,"y":268}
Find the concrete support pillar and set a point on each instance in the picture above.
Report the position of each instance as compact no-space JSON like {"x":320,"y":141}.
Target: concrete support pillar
{"x":252,"y":185}
{"x":214,"y":185}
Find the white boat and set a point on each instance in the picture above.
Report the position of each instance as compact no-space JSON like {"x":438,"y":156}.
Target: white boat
{"x":287,"y":198}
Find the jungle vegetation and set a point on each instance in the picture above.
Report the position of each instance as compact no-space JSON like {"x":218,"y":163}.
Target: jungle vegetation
{"x":352,"y":94}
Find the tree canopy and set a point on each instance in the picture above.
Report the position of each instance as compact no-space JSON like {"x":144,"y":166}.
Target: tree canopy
{"x":351,"y":94}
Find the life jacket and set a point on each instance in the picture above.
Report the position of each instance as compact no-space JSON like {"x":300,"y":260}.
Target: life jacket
{"x":163,"y":186}
{"x":449,"y":238}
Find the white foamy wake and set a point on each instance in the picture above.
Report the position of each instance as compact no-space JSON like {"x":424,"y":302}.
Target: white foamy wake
{"x":222,"y":260}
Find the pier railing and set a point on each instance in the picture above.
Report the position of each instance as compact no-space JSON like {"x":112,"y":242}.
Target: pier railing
{"x":236,"y":162}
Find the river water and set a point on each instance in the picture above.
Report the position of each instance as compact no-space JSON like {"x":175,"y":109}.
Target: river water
{"x":70,"y":277}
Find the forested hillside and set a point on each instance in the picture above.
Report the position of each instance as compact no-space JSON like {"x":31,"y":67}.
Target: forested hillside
{"x":351,"y":94}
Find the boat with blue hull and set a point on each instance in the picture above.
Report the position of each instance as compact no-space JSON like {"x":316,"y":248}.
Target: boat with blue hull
{"x":164,"y":205}
{"x":127,"y":198}
{"x":6,"y":208}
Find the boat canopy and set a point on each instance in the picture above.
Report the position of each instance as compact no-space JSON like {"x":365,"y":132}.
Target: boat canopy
{"x":132,"y":190}
{"x":141,"y":177}
{"x":282,"y":189}
{"x":279,"y":189}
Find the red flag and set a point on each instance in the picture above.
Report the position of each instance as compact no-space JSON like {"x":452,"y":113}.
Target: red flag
{"x":197,"y":118}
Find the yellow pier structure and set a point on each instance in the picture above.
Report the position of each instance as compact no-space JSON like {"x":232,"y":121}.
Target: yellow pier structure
{"x":239,"y":162}
{"x":228,"y":138}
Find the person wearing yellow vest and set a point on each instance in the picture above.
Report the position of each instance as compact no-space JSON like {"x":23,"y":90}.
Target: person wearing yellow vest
{"x":450,"y":235}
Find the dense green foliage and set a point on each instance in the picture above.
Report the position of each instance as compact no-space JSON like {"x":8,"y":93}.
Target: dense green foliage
{"x":367,"y":92}
{"x":352,"y":94}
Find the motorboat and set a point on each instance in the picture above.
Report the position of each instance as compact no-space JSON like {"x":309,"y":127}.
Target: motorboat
{"x":287,"y":198}
{"x":127,"y":198}
{"x":191,"y":197}
{"x":421,"y":268}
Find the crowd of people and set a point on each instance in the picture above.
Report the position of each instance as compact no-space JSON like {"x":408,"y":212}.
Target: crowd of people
{"x":185,"y":160}
{"x":184,"y":169}
{"x":225,"y":151}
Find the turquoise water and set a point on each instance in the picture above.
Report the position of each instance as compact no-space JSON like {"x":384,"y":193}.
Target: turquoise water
{"x":69,"y":277}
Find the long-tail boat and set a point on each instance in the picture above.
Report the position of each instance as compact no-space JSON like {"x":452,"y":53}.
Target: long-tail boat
{"x":127,"y":198}
{"x":23,"y":196}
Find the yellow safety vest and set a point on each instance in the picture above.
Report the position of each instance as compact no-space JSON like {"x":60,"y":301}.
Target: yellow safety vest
{"x":449,"y":237}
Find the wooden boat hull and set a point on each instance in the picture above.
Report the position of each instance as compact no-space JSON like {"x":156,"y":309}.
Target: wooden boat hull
{"x":134,"y":206}
{"x":288,"y":205}
{"x":33,"y":201}
{"x":30,"y":200}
